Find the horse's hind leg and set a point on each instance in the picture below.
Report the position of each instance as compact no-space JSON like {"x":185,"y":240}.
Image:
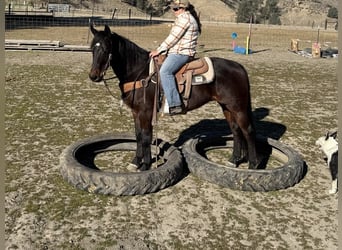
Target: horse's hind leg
{"x":245,"y":123}
{"x":239,"y":146}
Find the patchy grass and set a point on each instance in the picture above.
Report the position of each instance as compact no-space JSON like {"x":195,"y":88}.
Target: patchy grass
{"x":50,"y":103}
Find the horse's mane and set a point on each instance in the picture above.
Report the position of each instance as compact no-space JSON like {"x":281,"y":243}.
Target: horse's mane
{"x":133,"y":53}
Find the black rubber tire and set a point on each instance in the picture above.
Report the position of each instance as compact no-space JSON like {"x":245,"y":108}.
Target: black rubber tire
{"x":256,"y":180}
{"x":78,"y":168}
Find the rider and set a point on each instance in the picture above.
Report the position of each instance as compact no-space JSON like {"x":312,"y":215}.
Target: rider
{"x":180,"y":45}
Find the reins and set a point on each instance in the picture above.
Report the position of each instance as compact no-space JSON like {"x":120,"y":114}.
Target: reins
{"x":155,"y":111}
{"x":110,"y":78}
{"x":104,"y":73}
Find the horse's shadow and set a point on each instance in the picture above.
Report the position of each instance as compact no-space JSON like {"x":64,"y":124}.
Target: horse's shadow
{"x":220,"y":127}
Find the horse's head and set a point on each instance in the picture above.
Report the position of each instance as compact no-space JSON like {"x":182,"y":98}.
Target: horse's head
{"x":101,"y":47}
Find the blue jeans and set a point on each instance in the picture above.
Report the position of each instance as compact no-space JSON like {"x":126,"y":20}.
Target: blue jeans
{"x":170,"y":66}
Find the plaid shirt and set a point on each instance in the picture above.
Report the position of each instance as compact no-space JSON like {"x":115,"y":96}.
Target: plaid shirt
{"x":183,"y":36}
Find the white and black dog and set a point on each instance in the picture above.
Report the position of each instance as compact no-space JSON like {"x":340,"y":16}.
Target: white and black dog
{"x":329,"y":146}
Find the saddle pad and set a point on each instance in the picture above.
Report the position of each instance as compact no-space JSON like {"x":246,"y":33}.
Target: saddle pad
{"x":205,"y":77}
{"x":151,"y":67}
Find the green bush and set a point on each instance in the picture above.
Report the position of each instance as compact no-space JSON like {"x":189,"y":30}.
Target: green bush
{"x":333,"y":12}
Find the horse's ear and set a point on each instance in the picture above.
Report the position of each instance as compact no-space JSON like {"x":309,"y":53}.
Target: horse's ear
{"x":92,"y":29}
{"x":107,"y":30}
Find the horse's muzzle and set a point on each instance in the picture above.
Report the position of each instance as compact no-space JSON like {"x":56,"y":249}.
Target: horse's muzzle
{"x":95,"y":76}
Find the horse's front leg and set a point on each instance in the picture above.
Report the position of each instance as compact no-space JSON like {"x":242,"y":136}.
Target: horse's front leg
{"x":143,"y":133}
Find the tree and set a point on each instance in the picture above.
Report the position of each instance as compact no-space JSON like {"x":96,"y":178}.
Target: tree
{"x":333,"y":12}
{"x":142,"y":4}
{"x":248,"y":9}
{"x":156,"y":9}
{"x":230,"y":3}
{"x":270,"y":12}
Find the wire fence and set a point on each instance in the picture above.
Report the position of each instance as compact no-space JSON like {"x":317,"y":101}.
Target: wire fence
{"x":15,"y":19}
{"x":138,"y":24}
{"x":118,"y":10}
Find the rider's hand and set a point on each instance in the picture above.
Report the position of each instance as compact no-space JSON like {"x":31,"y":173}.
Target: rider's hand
{"x":154,"y":53}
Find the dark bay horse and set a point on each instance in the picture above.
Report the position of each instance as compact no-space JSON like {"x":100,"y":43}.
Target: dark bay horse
{"x":230,"y":88}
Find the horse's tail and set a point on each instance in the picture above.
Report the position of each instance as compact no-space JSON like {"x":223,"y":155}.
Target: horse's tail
{"x":249,"y":107}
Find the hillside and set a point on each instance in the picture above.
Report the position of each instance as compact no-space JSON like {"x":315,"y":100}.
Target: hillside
{"x":294,"y":12}
{"x":299,"y":12}
{"x":215,"y":11}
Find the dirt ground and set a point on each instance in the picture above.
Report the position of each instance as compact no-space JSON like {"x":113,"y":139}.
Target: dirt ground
{"x":51,"y":103}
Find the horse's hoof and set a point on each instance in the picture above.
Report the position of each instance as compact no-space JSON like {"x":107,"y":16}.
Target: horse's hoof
{"x":237,"y":161}
{"x":135,"y":162}
{"x":132,"y":167}
{"x":259,"y":164}
{"x":233,"y":164}
{"x":143,"y":167}
{"x":255,"y":165}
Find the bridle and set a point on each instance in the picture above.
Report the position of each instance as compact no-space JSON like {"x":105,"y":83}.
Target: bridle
{"x":105,"y":71}
{"x":105,"y":80}
{"x":107,"y":62}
